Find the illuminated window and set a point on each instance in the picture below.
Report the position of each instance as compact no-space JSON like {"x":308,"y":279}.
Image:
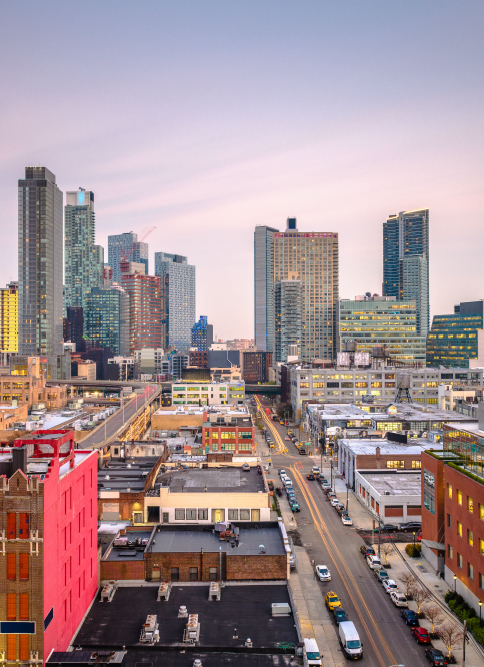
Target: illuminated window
{"x":416,"y":464}
{"x":459,"y":529}
{"x":449,"y":490}
{"x":470,"y":537}
{"x":395,"y":464}
{"x":459,"y":497}
{"x":470,"y":504}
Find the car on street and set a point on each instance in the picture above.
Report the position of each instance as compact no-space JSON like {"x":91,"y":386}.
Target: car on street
{"x":411,"y":526}
{"x":388,"y":527}
{"x":323,"y":573}
{"x":291,"y":496}
{"x":332,"y":601}
{"x":295,"y":507}
{"x":245,"y":467}
{"x":287,"y":438}
{"x":374,"y":562}
{"x":326,"y":487}
{"x":390,"y":585}
{"x":315,"y":470}
{"x":367,"y":551}
{"x":334,"y":501}
{"x":421,"y":635}
{"x":410,"y":617}
{"x":340,"y":616}
{"x":310,"y":476}
{"x":435,"y":656}
{"x":281,"y":472}
{"x":346,"y":520}
{"x":381,"y":575}
{"x":398,"y":599}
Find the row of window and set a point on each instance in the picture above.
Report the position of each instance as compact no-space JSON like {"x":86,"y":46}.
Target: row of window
{"x":401,"y":464}
{"x":20,"y":641}
{"x":22,"y":532}
{"x":22,"y":571}
{"x":460,"y":565}
{"x":470,"y":502}
{"x":230,"y":446}
{"x":193,"y":574}
{"x":23,"y":607}
{"x":191,"y":514}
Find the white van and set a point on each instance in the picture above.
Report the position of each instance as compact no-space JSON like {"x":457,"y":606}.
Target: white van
{"x":350,"y":640}
{"x":311,"y":650}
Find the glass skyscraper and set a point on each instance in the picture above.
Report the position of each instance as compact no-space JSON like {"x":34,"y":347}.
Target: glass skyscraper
{"x":406,"y":261}
{"x":287,"y":310}
{"x":127,"y":244}
{"x":106,"y":319}
{"x":264,"y":288}
{"x":40,"y":265}
{"x":202,"y":334}
{"x":458,"y":337}
{"x":84,"y":261}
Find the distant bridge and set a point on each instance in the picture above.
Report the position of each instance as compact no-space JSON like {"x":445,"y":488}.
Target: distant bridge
{"x":267,"y":389}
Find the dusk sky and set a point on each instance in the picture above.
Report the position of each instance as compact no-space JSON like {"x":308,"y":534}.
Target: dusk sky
{"x":206,"y":118}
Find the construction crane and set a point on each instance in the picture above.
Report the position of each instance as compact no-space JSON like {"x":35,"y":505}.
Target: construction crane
{"x":123,"y":263}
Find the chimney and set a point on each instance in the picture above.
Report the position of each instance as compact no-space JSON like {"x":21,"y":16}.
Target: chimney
{"x":480,"y":415}
{"x":19,"y":459}
{"x":377,"y":452}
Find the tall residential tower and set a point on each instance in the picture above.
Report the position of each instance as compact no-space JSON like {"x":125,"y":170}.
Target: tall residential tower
{"x":126,"y":245}
{"x":264,"y":288}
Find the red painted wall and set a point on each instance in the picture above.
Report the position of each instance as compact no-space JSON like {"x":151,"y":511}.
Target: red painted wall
{"x":70,"y":548}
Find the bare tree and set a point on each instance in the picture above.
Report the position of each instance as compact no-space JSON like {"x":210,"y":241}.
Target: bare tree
{"x":434,"y":615}
{"x":386,"y":549}
{"x":420,"y":595}
{"x":451,"y":635}
{"x":408,"y":580}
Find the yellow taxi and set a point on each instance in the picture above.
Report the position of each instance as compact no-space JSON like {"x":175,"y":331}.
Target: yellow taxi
{"x":332,"y":601}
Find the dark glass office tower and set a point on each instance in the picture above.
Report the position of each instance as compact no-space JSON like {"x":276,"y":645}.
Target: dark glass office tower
{"x":264,"y":288}
{"x":406,"y":261}
{"x":40,"y":264}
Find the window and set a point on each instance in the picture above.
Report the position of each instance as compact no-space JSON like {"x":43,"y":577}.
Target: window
{"x":470,"y":571}
{"x":233,"y":515}
{"x":11,"y":567}
{"x":203,"y":515}
{"x":11,"y":607}
{"x":481,"y":581}
{"x":395,"y":464}
{"x":191,"y":514}
{"x":481,"y":512}
{"x":481,"y":547}
{"x":449,"y":521}
{"x":175,"y":574}
{"x":470,"y":505}
{"x":429,"y":491}
{"x":459,"y":529}
{"x":12,"y":647}
{"x":23,"y":607}
{"x":255,"y":515}
{"x":459,"y":497}
{"x":23,"y":561}
{"x":416,"y":464}
{"x":459,"y":561}
{"x":11,"y":526}
{"x":213,"y":573}
{"x":24,"y":653}
{"x":470,"y":537}
{"x":179,"y":515}
{"x":194,"y":574}
{"x":245,"y":515}
{"x":450,"y":551}
{"x":449,"y":490}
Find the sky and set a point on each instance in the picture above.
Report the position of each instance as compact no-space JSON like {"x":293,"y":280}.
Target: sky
{"x":207,"y":118}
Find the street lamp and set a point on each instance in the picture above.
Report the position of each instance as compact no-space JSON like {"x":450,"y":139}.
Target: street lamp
{"x":480,"y":610}
{"x":414,"y":544}
{"x":455,"y":583}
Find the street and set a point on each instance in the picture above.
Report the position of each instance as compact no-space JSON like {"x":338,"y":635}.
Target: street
{"x":385,"y":637}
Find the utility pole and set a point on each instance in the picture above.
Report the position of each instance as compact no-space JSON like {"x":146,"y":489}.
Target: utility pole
{"x":464,"y":645}
{"x":347,"y":494}
{"x":379,"y":535}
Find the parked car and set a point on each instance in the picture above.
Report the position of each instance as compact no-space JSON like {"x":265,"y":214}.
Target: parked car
{"x":326,"y":487}
{"x":245,"y":467}
{"x":346,"y":520}
{"x":323,"y":573}
{"x":287,"y":438}
{"x":332,"y":601}
{"x":390,"y":585}
{"x":388,"y":527}
{"x":421,"y":635}
{"x":398,"y":599}
{"x":367,"y":551}
{"x":411,"y":526}
{"x":340,"y":616}
{"x":435,"y":656}
{"x":381,"y":575}
{"x":315,"y":470}
{"x":410,"y":617}
{"x":311,"y":477}
{"x":334,"y":501}
{"x":374,"y":562}
{"x":281,"y":472}
{"x":295,"y":507}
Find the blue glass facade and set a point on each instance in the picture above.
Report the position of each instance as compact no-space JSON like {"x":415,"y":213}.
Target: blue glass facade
{"x":454,"y":339}
{"x":202,"y":334}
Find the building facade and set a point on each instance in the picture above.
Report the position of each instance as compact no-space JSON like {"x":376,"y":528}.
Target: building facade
{"x":202,"y":334}
{"x":264,"y":288}
{"x":179,"y":299}
{"x":458,"y":337}
{"x":9,"y":319}
{"x":382,"y":320}
{"x":287,"y":317}
{"x":208,"y":393}
{"x":406,"y":261}
{"x":256,"y":366}
{"x":40,"y":263}
{"x":107,"y":319}
{"x":312,"y":258}
{"x":84,"y":260}
{"x":126,"y":246}
{"x":74,"y":327}
{"x":145,"y":310}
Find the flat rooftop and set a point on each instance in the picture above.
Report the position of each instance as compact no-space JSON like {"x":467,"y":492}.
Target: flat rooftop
{"x":338,"y":411}
{"x":130,"y":553}
{"x":120,"y":475}
{"x":468,"y":426}
{"x":396,"y":484}
{"x":387,"y":447}
{"x":190,"y":539}
{"x":147,"y":657}
{"x":247,"y":608}
{"x":215,"y":480}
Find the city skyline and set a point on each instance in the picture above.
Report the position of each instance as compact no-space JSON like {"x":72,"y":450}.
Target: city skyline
{"x":210,"y":152}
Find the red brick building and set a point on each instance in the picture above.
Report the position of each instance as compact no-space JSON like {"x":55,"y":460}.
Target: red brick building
{"x":255,"y":366}
{"x":229,"y":434}
{"x":48,"y":576}
{"x":198,"y":358}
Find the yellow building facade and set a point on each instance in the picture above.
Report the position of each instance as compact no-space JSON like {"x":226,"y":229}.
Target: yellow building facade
{"x":9,"y":318}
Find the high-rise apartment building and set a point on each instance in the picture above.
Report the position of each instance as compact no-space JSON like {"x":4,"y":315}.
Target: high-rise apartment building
{"x":312,"y":258}
{"x":288,"y":314}
{"x":202,"y":334}
{"x":382,"y":320}
{"x":74,"y":327}
{"x":406,"y":261}
{"x":9,"y":319}
{"x":264,"y":288}
{"x":145,"y":310}
{"x":179,"y":294}
{"x":40,"y":263}
{"x":457,"y":337}
{"x":107,"y":322}
{"x":84,"y":260}
{"x":126,"y":245}
{"x":256,"y":366}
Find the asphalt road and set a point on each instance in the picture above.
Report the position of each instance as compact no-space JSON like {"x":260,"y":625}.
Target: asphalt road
{"x":386,"y":639}
{"x":115,"y":422}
